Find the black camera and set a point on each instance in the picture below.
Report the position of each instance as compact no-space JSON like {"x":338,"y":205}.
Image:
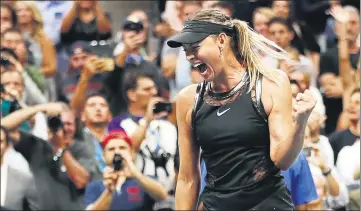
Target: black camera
{"x":133,"y":25}
{"x":161,"y":159}
{"x":163,"y":106}
{"x":55,"y":123}
{"x":117,"y":162}
{"x":4,"y":61}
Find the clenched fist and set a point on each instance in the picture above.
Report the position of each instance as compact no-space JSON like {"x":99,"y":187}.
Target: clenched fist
{"x":303,"y":106}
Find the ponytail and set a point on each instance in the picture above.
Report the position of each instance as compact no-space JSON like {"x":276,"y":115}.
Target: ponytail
{"x":248,"y":46}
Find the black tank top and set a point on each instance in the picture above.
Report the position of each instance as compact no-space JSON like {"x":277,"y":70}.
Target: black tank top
{"x":235,"y":143}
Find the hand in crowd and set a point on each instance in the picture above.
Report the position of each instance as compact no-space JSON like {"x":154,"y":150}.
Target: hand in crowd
{"x":129,"y":170}
{"x":111,"y":178}
{"x":305,"y":103}
{"x":150,"y":115}
{"x":96,"y":65}
{"x":58,"y":139}
{"x":163,"y":30}
{"x":16,"y":63}
{"x":317,"y":158}
{"x":340,"y":14}
{"x":132,"y":40}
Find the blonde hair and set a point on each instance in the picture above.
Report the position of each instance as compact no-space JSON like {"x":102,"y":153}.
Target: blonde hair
{"x":247,"y":45}
{"x":265,"y":11}
{"x":38,"y":23}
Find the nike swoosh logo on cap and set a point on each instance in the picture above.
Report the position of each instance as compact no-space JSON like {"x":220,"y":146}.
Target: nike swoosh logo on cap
{"x":223,"y":112}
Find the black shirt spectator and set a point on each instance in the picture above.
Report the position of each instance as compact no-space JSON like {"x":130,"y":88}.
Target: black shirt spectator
{"x":340,"y":139}
{"x":84,"y":31}
{"x":56,"y":190}
{"x":85,"y":21}
{"x":329,"y":64}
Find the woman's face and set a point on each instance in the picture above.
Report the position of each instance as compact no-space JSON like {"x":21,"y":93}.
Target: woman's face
{"x":204,"y":57}
{"x":5,"y":18}
{"x":24,"y":13}
{"x":260,"y":23}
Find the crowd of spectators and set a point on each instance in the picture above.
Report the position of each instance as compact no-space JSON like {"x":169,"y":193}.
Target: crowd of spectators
{"x":79,"y":128}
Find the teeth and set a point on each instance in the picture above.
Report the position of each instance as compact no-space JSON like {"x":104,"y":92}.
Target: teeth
{"x":196,"y":65}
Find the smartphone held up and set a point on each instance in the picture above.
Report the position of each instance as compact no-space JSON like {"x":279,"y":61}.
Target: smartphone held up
{"x":163,"y":107}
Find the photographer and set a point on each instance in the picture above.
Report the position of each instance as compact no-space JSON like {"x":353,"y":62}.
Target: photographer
{"x":154,"y":138}
{"x":61,"y":168}
{"x":9,"y":62}
{"x":86,"y":72}
{"x":123,"y":186}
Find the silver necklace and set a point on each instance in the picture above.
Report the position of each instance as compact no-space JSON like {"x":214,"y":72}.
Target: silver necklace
{"x":225,"y":95}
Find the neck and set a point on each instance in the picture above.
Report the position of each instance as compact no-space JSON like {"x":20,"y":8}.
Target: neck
{"x":354,"y":128}
{"x":230,"y":75}
{"x":136,"y":111}
{"x":353,"y":47}
{"x":97,"y":130}
{"x":27,"y":27}
{"x":315,"y":136}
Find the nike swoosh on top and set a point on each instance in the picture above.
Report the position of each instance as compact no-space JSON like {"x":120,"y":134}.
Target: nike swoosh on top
{"x":223,"y":112}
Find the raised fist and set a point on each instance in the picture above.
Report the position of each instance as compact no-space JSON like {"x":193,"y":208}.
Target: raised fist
{"x":305,"y":102}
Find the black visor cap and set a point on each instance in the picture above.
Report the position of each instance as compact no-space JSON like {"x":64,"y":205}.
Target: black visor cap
{"x":195,"y":31}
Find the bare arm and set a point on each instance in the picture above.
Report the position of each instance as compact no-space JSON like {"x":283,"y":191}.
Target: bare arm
{"x":69,"y":18}
{"x":169,"y":66}
{"x":13,"y":120}
{"x":152,"y":187}
{"x":103,"y":202}
{"x":286,"y":137}
{"x":188,"y":182}
{"x":78,"y":97}
{"x":121,"y":58}
{"x":79,"y":175}
{"x":102,"y":21}
{"x":49,"y":57}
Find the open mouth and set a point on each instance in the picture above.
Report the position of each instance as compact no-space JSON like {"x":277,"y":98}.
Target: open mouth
{"x":201,"y":67}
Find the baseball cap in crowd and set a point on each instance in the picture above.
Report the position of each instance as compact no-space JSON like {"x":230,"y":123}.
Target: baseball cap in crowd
{"x":116,"y":134}
{"x":133,"y":23}
{"x":196,"y":31}
{"x":79,"y":47}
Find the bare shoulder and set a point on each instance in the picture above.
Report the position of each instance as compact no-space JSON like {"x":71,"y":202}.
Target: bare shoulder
{"x":186,"y":95}
{"x":273,"y":90}
{"x":280,"y":80}
{"x":184,"y":104}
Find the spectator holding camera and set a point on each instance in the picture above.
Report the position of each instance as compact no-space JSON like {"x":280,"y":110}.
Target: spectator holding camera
{"x":332,"y":192}
{"x":149,"y":44}
{"x":154,"y":138}
{"x":123,"y":186}
{"x":61,"y":168}
{"x":86,"y":71}
{"x":85,"y":21}
{"x":30,"y":94}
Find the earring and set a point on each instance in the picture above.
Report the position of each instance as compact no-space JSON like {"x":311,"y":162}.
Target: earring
{"x":221,"y":52}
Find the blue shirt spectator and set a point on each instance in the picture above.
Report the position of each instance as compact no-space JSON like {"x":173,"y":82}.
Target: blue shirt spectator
{"x":298,"y":179}
{"x":130,"y":197}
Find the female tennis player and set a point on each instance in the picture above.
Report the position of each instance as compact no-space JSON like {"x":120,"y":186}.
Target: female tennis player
{"x":240,"y":116}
